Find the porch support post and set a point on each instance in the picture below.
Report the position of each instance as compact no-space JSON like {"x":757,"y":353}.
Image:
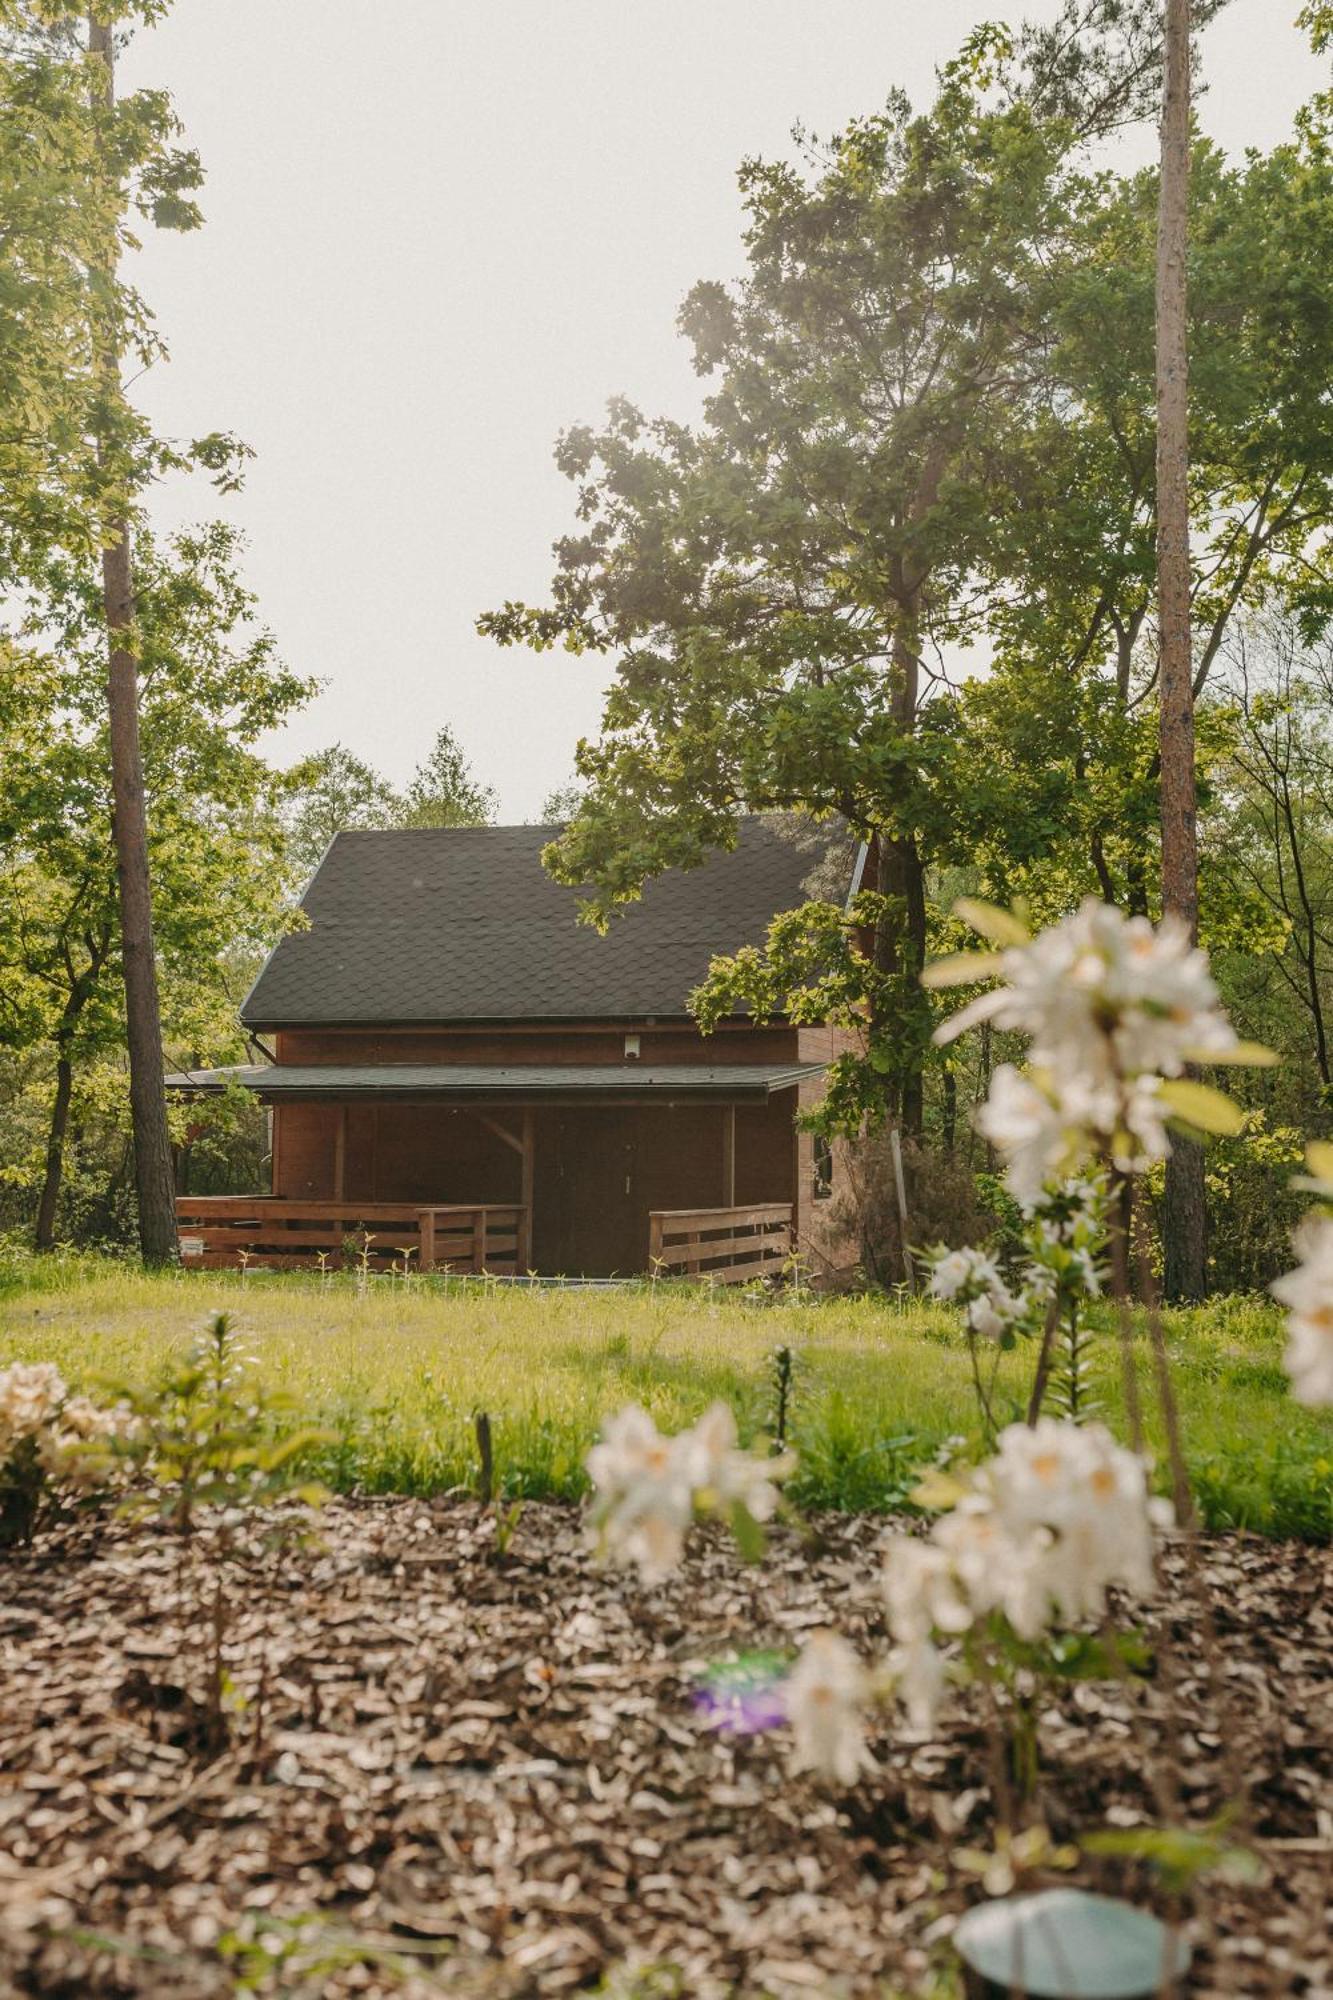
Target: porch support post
{"x":340,"y":1154}
{"x":524,"y":1258}
{"x":729,"y":1157}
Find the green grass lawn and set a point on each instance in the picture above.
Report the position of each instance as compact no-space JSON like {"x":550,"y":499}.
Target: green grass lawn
{"x":397,"y":1372}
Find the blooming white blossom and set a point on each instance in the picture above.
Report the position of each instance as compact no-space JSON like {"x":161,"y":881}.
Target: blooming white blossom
{"x":649,"y":1486}
{"x":917,"y":1672}
{"x":1072,"y":1213}
{"x":67,"y":1444}
{"x":1113,"y":1008}
{"x":31,"y":1392}
{"x":1307,"y":1292}
{"x":1044,"y":1529}
{"x":720,"y":1471}
{"x":1077,"y":1504}
{"x":1105,"y":996}
{"x":1035,"y":1135}
{"x":962,"y":1271}
{"x":645,"y":1497}
{"x":823,"y":1697}
{"x":973,"y":1279}
{"x":994,"y":1312}
{"x":922,"y":1591}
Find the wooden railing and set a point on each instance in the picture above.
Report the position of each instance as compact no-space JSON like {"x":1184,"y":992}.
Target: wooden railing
{"x":273,"y":1233}
{"x":728,"y":1245}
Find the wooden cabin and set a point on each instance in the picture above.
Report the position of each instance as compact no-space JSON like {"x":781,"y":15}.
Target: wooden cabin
{"x":464,"y":1075}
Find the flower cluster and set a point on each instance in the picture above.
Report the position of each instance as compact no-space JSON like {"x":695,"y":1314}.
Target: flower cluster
{"x":35,"y":1402}
{"x":1066,"y":1239}
{"x":1307,"y":1293}
{"x":649,"y":1487}
{"x":31,"y":1395}
{"x":971,"y":1279}
{"x":1065,"y":1233}
{"x":1036,"y":1536}
{"x":1114,"y":1010}
{"x":49,"y":1437}
{"x":1040,"y":1533}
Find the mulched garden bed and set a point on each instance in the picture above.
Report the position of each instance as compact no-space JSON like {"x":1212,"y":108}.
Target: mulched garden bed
{"x":495,"y":1763}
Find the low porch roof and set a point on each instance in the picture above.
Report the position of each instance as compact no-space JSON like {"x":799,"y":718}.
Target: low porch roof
{"x":461,"y":1083}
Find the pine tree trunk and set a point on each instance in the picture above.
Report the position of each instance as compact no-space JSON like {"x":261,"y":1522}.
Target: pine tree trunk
{"x":1184,"y":1218}
{"x":900,"y":943}
{"x":44,"y":1235}
{"x":154,"y":1180}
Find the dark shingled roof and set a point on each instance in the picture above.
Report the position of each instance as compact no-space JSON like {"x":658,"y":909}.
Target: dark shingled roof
{"x":445,"y":924}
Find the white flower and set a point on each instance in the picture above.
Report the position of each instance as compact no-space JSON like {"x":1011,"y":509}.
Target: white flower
{"x":917,"y":1671}
{"x":1047,"y":1526}
{"x":73,"y":1446}
{"x":1077,"y":1505}
{"x":648,"y":1486}
{"x":822,"y":1696}
{"x":965,"y":1270}
{"x":991,"y":1314}
{"x":1022,"y":1122}
{"x":723,"y":1475}
{"x":973,"y":1279}
{"x":82,"y":1417}
{"x":644,"y":1500}
{"x":1072,"y":1212}
{"x":31,"y":1393}
{"x":922,"y":1592}
{"x":1308,"y":1293}
{"x":1112,"y":1007}
{"x":1105,"y":996}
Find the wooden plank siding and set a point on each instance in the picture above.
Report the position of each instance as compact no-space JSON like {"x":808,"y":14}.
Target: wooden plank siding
{"x":586,"y":1177}
{"x":600,"y":1043}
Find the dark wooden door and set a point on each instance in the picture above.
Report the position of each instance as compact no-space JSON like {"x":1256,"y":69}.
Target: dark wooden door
{"x":604,"y":1231}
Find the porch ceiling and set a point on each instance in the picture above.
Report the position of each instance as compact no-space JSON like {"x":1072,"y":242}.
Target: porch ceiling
{"x":462,"y":1083}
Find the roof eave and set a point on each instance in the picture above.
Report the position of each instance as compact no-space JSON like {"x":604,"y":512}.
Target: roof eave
{"x":270,"y":1024}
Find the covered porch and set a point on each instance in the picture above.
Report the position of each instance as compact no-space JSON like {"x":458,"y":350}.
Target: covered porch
{"x":567,"y":1170}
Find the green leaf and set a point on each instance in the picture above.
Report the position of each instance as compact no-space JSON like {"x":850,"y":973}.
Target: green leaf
{"x":1180,"y":1854}
{"x":1202,"y":1107}
{"x":750,"y":1539}
{"x":965,"y":968}
{"x":1000,"y":926}
{"x":1252,"y":1055}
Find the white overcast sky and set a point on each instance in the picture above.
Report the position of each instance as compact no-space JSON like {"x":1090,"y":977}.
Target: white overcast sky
{"x":438,"y":232}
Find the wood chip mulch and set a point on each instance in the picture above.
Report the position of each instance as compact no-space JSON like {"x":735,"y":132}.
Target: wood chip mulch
{"x":453,"y":1772}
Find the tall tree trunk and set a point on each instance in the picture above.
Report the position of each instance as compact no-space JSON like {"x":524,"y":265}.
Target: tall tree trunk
{"x":154,"y":1181}
{"x":44,"y":1235}
{"x":900,"y":944}
{"x":1184,"y":1221}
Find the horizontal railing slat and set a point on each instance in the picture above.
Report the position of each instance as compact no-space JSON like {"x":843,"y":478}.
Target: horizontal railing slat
{"x":281,"y":1232}
{"x":705,"y":1218}
{"x":697,"y":1251}
{"x":723,"y":1245}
